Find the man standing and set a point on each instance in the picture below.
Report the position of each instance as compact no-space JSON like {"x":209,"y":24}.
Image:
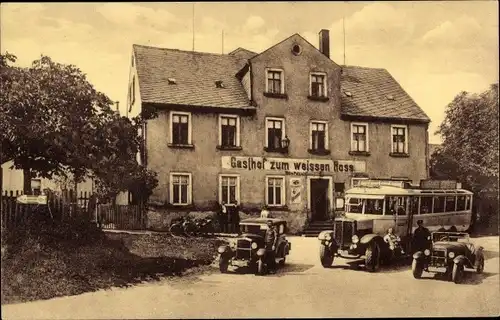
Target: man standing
{"x":421,"y":237}
{"x":271,"y":239}
{"x":223,"y":217}
{"x":235,"y":217}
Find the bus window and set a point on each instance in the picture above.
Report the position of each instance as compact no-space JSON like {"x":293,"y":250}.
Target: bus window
{"x":450,"y":203}
{"x":467,"y":203}
{"x":401,"y":205}
{"x":460,"y":203}
{"x":390,"y":205}
{"x":414,"y":205}
{"x":425,"y":205}
{"x":374,"y":206}
{"x":439,"y":204}
{"x":355,"y":205}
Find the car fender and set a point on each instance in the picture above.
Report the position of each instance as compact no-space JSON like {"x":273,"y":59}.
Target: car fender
{"x":367,"y":238}
{"x":225,"y":251}
{"x":459,"y":259}
{"x":261,"y":252}
{"x":418,"y":255}
{"x":322,"y":234}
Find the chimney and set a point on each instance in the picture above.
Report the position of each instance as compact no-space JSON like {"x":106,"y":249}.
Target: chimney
{"x":324,"y":42}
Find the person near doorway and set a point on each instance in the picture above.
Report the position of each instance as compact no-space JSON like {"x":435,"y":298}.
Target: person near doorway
{"x":271,"y":238}
{"x":264,"y":213}
{"x":421,"y":237}
{"x":235,"y":218}
{"x":222,"y":217}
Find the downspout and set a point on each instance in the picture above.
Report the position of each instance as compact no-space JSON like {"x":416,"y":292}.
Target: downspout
{"x":427,"y":155}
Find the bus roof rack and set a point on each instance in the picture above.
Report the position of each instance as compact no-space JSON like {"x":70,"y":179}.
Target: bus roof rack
{"x":377,"y":183}
{"x":428,"y":184}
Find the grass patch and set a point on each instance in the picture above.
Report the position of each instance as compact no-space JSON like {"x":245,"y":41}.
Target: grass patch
{"x":48,"y":260}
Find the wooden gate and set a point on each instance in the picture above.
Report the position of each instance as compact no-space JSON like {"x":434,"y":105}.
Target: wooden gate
{"x":121,"y":217}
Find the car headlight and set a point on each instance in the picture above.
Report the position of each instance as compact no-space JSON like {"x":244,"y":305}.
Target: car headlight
{"x":232,"y":244}
{"x":328,"y":236}
{"x":355,"y":239}
{"x":451,"y":255}
{"x":427,"y":252}
{"x":254,"y":245}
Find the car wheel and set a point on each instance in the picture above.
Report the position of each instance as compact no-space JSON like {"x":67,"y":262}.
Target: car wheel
{"x":480,"y":266}
{"x":260,"y":267}
{"x":223,"y":265}
{"x":282,"y":261}
{"x":417,"y":268}
{"x":326,"y":256}
{"x":457,"y":273}
{"x":372,"y":257}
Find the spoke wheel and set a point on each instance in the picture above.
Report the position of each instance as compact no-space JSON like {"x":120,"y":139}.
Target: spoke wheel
{"x":372,"y":257}
{"x":326,"y":256}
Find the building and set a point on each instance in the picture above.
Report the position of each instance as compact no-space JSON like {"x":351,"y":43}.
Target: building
{"x":13,"y":180}
{"x":287,"y":128}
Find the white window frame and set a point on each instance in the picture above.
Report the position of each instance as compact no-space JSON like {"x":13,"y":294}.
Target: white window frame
{"x":325,"y":86}
{"x":357,"y":178}
{"x":190,"y":188}
{"x":237,"y":176}
{"x":311,"y":130}
{"x":283,"y":128}
{"x":283,"y":192}
{"x":237,"y":117}
{"x":365,"y":124}
{"x":401,"y":126}
{"x":190,"y":125}
{"x":282,"y":89}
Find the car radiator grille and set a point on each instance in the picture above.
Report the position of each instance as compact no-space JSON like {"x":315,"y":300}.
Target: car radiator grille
{"x":343,"y":231}
{"x":438,"y":257}
{"x":243,"y":249}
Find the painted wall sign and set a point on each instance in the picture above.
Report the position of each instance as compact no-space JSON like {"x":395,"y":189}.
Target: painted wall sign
{"x":292,"y":166}
{"x":296,"y":189}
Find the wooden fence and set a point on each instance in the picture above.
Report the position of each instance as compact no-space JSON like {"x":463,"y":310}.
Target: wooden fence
{"x":66,"y":205}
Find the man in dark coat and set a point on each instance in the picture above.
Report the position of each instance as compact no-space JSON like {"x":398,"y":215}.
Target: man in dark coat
{"x":235,"y":218}
{"x":222,"y":217}
{"x":271,"y":239}
{"x":421,"y":237}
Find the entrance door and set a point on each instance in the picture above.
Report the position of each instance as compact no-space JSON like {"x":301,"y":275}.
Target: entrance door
{"x":319,"y":199}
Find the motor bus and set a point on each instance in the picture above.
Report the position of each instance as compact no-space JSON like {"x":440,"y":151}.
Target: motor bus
{"x":374,"y":206}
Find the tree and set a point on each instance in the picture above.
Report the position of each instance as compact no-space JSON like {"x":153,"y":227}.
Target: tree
{"x":469,"y":152}
{"x":53,"y":122}
{"x":47,"y":111}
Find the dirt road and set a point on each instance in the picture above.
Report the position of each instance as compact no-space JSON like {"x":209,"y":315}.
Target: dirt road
{"x":302,"y":289}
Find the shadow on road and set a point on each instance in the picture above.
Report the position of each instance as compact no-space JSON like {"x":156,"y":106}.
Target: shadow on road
{"x":359,"y":265}
{"x":490,"y":254}
{"x":470,"y":277}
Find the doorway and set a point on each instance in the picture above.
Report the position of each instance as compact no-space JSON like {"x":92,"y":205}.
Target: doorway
{"x":318,"y":194}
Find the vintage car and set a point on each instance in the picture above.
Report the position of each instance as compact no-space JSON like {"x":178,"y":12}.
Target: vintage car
{"x":450,"y":253}
{"x":248,"y":249}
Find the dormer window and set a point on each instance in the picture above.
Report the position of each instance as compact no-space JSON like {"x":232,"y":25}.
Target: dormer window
{"x":348,"y":93}
{"x":390,"y":97}
{"x":219,"y":84}
{"x":172,"y":81}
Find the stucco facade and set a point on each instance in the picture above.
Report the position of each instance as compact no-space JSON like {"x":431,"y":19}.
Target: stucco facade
{"x":303,"y":176}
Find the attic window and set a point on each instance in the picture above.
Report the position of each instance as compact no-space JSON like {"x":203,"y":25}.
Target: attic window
{"x":172,"y":81}
{"x":390,"y":97}
{"x":348,"y":93}
{"x":219,"y":84}
{"x":296,"y":49}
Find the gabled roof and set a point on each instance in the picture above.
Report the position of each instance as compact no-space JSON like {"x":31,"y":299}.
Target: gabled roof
{"x":243,"y":53}
{"x":374,"y":93}
{"x":194,"y":74}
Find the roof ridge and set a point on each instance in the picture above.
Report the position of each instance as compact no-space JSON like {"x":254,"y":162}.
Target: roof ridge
{"x":184,"y":51}
{"x":361,"y":67}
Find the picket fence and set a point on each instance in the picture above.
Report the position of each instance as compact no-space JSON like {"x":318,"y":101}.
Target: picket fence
{"x":66,"y":205}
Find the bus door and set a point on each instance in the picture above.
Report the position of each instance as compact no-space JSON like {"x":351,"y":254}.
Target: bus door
{"x":399,"y":209}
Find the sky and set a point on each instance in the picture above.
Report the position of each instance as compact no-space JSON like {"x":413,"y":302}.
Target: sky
{"x":434,"y":49}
